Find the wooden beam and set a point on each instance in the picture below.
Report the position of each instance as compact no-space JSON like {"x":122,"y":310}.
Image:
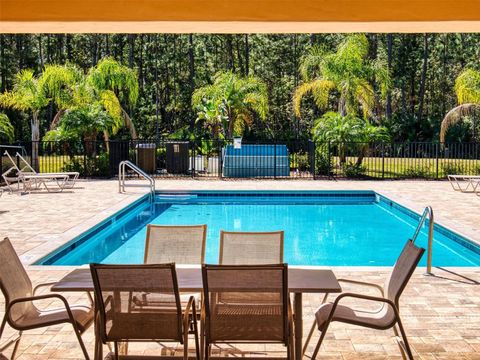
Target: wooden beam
{"x":240,"y":10}
{"x":226,"y":27}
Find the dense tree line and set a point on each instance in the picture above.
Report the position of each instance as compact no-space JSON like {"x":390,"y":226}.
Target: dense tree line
{"x":423,"y":69}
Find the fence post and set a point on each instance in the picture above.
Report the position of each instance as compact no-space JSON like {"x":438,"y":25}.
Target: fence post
{"x":194,"y":160}
{"x":220,"y":157}
{"x":313,"y":162}
{"x":85,"y":158}
{"x":383,"y":160}
{"x":436,"y":160}
{"x":329,"y":159}
{"x":275,"y":159}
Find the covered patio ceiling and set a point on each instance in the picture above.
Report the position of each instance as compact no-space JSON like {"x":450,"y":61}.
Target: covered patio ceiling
{"x":238,"y":16}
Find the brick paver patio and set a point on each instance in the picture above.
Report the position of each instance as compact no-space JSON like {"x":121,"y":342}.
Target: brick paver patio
{"x":441,"y":314}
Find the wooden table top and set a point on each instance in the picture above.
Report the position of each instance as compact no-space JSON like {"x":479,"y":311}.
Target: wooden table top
{"x":190,"y":279}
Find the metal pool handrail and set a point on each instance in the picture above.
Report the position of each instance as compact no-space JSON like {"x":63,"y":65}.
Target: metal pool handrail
{"x":122,"y":175}
{"x":428,"y":212}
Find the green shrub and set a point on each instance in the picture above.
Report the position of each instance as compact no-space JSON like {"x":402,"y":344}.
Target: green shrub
{"x":450,"y":168}
{"x":90,"y":166}
{"x":301,"y":161}
{"x":476,"y":170}
{"x":323,"y":163}
{"x":351,"y":170}
{"x":418,"y":172}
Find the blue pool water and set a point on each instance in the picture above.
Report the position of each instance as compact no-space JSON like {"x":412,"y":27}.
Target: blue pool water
{"x":321,"y":228}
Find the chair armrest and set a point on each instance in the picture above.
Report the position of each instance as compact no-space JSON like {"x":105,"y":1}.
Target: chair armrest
{"x":363,"y":297}
{"x":40,"y":297}
{"x":356,"y":282}
{"x":190,"y":309}
{"x":43,"y":285}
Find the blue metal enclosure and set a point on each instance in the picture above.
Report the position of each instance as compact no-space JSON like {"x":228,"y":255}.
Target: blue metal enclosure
{"x":256,"y":161}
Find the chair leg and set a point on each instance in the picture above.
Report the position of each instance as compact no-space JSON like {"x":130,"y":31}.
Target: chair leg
{"x":197,"y":345}
{"x":80,"y":341}
{"x":312,"y":329}
{"x":202,"y":340}
{"x":319,"y":343}
{"x":405,"y":340}
{"x":309,"y":337}
{"x":397,"y":337}
{"x":17,"y":343}
{"x":206,"y":355}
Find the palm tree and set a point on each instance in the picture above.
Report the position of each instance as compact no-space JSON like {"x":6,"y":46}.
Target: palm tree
{"x":114,"y":84}
{"x":6,"y":128}
{"x":85,"y":122}
{"x":348,"y":71}
{"x":106,"y":85}
{"x":28,"y":95}
{"x":230,"y":102}
{"x":467,"y":88}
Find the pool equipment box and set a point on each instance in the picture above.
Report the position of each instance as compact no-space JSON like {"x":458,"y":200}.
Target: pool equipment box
{"x":256,"y":160}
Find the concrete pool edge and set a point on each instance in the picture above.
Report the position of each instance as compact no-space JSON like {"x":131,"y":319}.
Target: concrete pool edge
{"x":57,"y":241}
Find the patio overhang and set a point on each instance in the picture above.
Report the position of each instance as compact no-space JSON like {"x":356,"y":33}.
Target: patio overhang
{"x":241,"y":16}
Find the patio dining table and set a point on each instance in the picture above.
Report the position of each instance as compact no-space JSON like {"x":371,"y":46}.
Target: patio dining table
{"x":300,"y":281}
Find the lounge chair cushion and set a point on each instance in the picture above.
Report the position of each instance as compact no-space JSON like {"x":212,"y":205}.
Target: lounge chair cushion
{"x":383,"y":318}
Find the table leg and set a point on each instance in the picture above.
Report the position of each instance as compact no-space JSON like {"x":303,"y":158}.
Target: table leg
{"x":298,"y":324}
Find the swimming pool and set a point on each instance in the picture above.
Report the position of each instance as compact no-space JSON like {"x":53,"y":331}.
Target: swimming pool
{"x":331,"y":228}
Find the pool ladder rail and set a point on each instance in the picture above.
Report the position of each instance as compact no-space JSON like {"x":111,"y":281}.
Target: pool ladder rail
{"x":428,"y":212}
{"x":122,"y":174}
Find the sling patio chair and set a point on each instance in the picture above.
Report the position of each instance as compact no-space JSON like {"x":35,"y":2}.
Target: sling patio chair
{"x":251,"y":248}
{"x":262,"y":314}
{"x":119,"y":289}
{"x":22,"y":314}
{"x":182,"y":244}
{"x":387,"y":315}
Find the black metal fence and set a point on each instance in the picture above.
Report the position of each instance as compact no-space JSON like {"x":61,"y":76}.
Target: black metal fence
{"x":260,"y":159}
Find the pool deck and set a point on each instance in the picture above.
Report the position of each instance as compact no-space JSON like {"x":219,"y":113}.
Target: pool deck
{"x":441,"y":314}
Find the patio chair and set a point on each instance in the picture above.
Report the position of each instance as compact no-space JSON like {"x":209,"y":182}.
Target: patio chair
{"x":118,"y":291}
{"x":262,"y":314}
{"x":182,"y":244}
{"x":251,"y":248}
{"x":22,"y":314}
{"x":387,"y":315}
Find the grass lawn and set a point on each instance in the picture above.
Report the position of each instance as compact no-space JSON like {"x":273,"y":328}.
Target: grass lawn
{"x":414,"y":167}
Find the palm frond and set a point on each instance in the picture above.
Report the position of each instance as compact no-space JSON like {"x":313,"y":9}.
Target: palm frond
{"x":455,"y":115}
{"x":467,"y":87}
{"x":320,"y":90}
{"x":6,"y":128}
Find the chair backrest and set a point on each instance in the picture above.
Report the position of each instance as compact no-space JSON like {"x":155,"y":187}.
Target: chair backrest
{"x":179,"y":244}
{"x":258,"y":309}
{"x":402,"y":271}
{"x":251,"y":248}
{"x":14,"y":280}
{"x":121,"y":298}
